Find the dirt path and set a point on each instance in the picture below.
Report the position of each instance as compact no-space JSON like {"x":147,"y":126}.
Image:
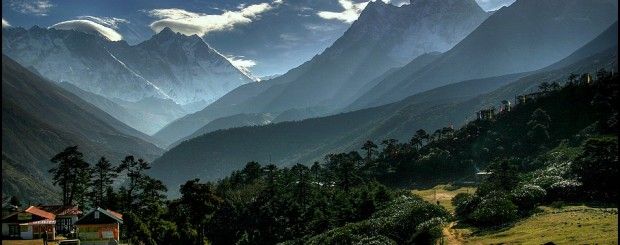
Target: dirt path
{"x":450,"y":236}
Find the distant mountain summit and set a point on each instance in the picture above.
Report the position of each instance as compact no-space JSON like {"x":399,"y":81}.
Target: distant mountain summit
{"x":383,"y":37}
{"x":421,"y":27}
{"x":169,"y":65}
{"x":524,"y":36}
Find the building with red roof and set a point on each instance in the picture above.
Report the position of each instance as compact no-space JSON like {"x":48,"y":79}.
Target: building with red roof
{"x":99,"y":226}
{"x":31,"y":223}
{"x":66,"y":216}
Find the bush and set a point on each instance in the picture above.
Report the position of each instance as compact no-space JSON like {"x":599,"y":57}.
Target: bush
{"x":556,"y":178}
{"x":405,"y":220}
{"x":597,"y":168}
{"x":494,"y":209}
{"x":565,"y":189}
{"x":527,"y":197}
{"x":464,"y":204}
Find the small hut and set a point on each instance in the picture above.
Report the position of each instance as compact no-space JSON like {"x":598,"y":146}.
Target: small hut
{"x":99,"y":226}
{"x":506,"y":106}
{"x":31,"y":223}
{"x":486,"y":114}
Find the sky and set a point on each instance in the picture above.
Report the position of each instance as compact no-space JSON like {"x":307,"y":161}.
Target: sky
{"x":266,"y":37}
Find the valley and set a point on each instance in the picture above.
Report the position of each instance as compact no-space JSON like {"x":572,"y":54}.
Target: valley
{"x":310,"y":122}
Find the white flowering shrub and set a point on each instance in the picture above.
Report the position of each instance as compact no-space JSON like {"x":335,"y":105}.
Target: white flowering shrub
{"x":494,"y":209}
{"x":527,"y":197}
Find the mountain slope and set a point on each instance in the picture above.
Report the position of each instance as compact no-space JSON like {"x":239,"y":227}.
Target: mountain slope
{"x":525,"y":36}
{"x":39,"y":119}
{"x":147,"y":115}
{"x":214,"y":155}
{"x":107,"y":105}
{"x":383,"y":37}
{"x":234,"y":121}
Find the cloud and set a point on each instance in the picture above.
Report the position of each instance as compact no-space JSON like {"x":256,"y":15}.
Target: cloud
{"x":5,"y":23}
{"x":241,"y":63}
{"x":35,"y":7}
{"x":353,"y":10}
{"x":397,"y":2}
{"x":348,"y":15}
{"x":90,"y":27}
{"x":492,"y":5}
{"x":111,"y":22}
{"x":190,"y":23}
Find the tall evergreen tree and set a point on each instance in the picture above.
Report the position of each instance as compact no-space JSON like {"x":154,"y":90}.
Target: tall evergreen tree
{"x":539,"y":128}
{"x":135,"y":172}
{"x":370,"y":148}
{"x":14,"y":201}
{"x":201,"y":201}
{"x":422,"y":135}
{"x":103,"y":177}
{"x":70,"y":174}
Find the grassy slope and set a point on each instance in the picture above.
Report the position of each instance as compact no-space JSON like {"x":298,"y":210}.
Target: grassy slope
{"x":567,"y":225}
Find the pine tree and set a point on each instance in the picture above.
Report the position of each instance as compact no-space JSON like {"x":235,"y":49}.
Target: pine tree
{"x":370,"y":148}
{"x":103,"y":177}
{"x":135,"y":172}
{"x":71,"y":174}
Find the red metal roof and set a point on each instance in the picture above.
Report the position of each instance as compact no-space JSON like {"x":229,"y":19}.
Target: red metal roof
{"x":116,"y":214}
{"x":61,"y":210}
{"x":41,"y":213}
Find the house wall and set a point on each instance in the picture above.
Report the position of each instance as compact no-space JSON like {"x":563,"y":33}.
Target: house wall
{"x":38,"y":231}
{"x":25,"y":231}
{"x":5,"y":229}
{"x":95,"y":232}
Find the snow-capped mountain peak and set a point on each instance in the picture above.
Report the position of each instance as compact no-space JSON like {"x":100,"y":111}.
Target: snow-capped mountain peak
{"x":169,"y":65}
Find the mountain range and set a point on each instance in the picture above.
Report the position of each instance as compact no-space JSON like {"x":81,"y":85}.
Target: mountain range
{"x":216,"y":154}
{"x":169,"y":66}
{"x":525,"y":36}
{"x":383,"y":37}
